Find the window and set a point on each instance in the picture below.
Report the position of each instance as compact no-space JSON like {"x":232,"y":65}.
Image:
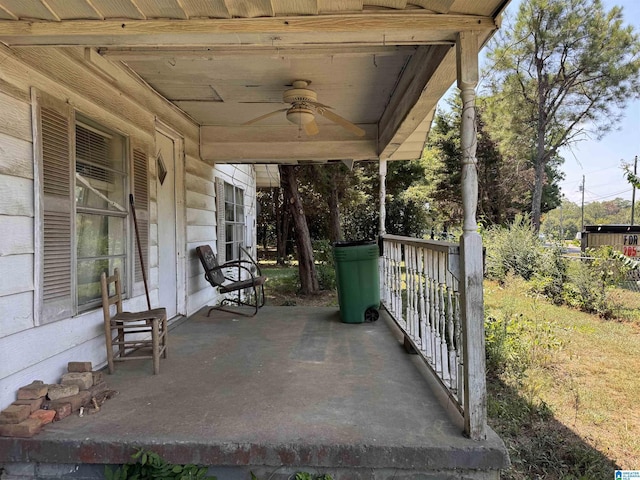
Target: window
{"x":86,"y":176}
{"x":230,"y":205}
{"x":101,"y":213}
{"x":233,"y":221}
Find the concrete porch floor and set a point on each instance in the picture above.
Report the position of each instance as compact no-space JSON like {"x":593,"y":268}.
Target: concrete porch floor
{"x":289,"y":389}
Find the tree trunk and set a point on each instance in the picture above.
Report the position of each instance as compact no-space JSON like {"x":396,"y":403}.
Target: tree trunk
{"x":335,"y":229}
{"x":306,"y":265}
{"x":536,"y":200}
{"x":282,"y":225}
{"x":540,"y":158}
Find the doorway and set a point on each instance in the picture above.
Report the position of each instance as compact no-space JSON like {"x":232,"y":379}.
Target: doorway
{"x":170,"y":218}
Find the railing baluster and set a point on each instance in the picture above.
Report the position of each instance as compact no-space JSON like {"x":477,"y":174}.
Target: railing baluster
{"x":398,"y":283}
{"x":453,"y":368}
{"x":444,"y":354}
{"x":408,"y":268}
{"x":421,"y":291}
{"x":433,"y":314}
{"x":421,"y":305}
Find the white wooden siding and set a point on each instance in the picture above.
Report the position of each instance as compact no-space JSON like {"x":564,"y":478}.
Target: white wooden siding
{"x":16,"y":214}
{"x":123,"y":104}
{"x":17,"y":196}
{"x":17,"y":314}
{"x":201,"y":212}
{"x":16,"y":157}
{"x":17,"y":236}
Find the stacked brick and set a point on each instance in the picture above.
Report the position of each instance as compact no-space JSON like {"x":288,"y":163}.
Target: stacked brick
{"x":38,"y":403}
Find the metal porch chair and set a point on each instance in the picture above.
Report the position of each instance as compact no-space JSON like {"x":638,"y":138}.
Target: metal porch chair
{"x":126,"y":324}
{"x":228,"y":278}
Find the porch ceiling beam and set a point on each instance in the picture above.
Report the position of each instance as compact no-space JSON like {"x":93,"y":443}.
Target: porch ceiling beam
{"x":389,"y":28}
{"x":307,"y":51}
{"x":425,"y":79}
{"x":284,"y":144}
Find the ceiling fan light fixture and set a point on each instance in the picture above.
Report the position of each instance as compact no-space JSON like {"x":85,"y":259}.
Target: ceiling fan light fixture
{"x":300,"y":115}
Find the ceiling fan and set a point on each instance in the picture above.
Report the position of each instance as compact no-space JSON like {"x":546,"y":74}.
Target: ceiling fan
{"x":304,"y":106}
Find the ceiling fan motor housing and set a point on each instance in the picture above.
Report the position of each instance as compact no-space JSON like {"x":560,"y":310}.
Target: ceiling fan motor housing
{"x":301,"y":99}
{"x":300,"y":115}
{"x":299,"y":94}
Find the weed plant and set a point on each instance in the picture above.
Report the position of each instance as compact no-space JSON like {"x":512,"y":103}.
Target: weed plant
{"x":148,"y":465}
{"x":526,"y":343}
{"x":325,"y":268}
{"x":512,"y":251}
{"x":584,"y":283}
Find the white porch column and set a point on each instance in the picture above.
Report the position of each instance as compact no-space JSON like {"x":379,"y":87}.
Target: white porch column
{"x":475,"y":388}
{"x":383,"y":195}
{"x":382,"y":174}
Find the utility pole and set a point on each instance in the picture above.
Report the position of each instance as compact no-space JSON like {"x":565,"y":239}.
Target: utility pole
{"x":582,"y":190}
{"x":561,"y":219}
{"x":633,"y":192}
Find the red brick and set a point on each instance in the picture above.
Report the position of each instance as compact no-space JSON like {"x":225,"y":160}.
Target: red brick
{"x":98,"y":377}
{"x":62,"y":410}
{"x":34,"y":403}
{"x":35,"y":389}
{"x":79,"y":367}
{"x":43,"y":416}
{"x":26,"y":428}
{"x":81,"y":399}
{"x":14,"y":414}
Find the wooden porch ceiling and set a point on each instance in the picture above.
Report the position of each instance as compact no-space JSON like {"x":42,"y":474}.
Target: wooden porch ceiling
{"x":381,"y":64}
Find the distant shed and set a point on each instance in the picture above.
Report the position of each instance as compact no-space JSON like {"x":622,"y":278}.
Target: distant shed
{"x":623,"y":238}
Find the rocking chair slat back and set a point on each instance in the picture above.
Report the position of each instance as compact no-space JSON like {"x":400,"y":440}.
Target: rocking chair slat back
{"x":213,"y":272}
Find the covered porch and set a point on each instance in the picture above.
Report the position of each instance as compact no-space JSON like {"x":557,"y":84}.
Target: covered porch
{"x":292,"y":389}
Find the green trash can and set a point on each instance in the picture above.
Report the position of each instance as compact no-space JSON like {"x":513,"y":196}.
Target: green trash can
{"x":358,"y":280}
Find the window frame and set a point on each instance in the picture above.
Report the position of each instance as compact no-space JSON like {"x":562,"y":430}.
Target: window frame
{"x":238,"y":224}
{"x":56,"y":289}
{"x":126,"y":178}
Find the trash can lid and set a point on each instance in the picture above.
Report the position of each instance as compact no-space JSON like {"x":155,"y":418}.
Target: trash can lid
{"x":354,"y":243}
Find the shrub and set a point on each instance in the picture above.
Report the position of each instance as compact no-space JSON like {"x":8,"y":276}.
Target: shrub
{"x":512,"y":250}
{"x":550,"y":274}
{"x":149,"y":465}
{"x":590,"y":281}
{"x":323,"y":254}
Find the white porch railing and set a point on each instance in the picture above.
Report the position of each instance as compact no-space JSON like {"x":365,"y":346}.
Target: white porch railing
{"x":420,"y":290}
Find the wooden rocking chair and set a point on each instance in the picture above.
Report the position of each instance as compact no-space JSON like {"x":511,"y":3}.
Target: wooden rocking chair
{"x":228,"y":278}
{"x":153,"y":322}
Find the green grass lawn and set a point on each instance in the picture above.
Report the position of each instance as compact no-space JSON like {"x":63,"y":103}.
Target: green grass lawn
{"x":570,"y":407}
{"x":283,"y":285}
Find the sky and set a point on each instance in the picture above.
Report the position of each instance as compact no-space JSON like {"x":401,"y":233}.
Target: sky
{"x":600,"y":161}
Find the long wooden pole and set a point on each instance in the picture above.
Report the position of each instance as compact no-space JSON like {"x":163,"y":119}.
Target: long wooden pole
{"x":144,"y":273}
{"x":472,"y":307}
{"x":633,"y":194}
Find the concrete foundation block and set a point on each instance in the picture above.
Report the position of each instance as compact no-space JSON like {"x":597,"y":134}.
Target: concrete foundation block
{"x":57,"y":392}
{"x":83,"y":380}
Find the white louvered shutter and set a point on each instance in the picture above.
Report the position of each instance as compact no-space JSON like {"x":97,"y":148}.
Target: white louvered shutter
{"x":55,"y":151}
{"x":141,"y":198}
{"x":220,"y":220}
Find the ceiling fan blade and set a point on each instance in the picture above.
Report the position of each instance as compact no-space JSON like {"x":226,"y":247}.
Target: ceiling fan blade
{"x":343,"y":122}
{"x":311,"y":128}
{"x":262,"y":117}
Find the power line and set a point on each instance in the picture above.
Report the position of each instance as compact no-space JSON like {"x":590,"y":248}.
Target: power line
{"x":596,"y":197}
